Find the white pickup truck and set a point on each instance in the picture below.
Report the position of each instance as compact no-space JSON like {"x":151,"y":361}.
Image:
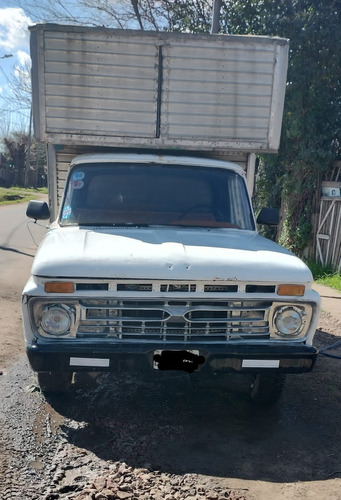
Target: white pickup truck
{"x":153,"y":255}
{"x":156,"y":260}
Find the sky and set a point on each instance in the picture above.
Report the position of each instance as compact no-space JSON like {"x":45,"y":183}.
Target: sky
{"x":14,"y":64}
{"x":14,"y":52}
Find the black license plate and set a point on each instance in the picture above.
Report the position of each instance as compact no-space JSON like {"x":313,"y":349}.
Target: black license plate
{"x":187,"y":361}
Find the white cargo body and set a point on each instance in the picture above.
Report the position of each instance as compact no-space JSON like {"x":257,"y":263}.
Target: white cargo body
{"x":106,"y":87}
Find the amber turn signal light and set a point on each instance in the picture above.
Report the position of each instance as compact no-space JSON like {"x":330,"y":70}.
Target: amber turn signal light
{"x":293,"y":290}
{"x":59,"y":287}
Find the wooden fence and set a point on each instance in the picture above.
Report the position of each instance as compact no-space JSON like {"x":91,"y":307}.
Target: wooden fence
{"x":328,"y":235}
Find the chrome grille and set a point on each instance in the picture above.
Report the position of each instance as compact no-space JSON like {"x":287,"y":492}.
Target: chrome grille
{"x":173,"y":320}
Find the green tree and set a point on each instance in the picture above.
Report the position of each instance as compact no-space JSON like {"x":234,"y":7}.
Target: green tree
{"x":16,"y":150}
{"x":38,"y":164}
{"x":193,"y":16}
{"x":311,"y":127}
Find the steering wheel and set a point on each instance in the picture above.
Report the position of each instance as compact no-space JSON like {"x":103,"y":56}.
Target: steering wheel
{"x":203,"y":209}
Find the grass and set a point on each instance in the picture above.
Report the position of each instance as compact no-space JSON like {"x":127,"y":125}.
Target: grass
{"x":325,"y":275}
{"x":9,"y":196}
{"x":333,"y":280}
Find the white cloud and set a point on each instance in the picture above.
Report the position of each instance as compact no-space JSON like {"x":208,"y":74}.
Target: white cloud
{"x":23,"y":76}
{"x":23,"y":58}
{"x":14,"y":34}
{"x":22,"y":70}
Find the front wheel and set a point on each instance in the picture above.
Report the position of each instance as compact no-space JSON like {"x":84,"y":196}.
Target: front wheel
{"x":54,"y":382}
{"x":266,"y":388}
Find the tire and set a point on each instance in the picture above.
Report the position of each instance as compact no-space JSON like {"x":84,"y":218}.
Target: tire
{"x":266,"y":388}
{"x":54,"y":382}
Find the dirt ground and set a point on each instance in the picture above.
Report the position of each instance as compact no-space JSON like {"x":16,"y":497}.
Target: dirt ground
{"x":209,"y":436}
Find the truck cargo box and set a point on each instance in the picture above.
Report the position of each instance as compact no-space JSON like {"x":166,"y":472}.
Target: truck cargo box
{"x":126,"y":88}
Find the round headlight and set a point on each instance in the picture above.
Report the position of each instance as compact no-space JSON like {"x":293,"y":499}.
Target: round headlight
{"x":56,"y":320}
{"x":288,"y":321}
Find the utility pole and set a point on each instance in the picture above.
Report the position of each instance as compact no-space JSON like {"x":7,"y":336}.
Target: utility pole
{"x":215,"y":17}
{"x":28,"y":154}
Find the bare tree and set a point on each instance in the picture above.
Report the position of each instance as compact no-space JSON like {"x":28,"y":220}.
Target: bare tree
{"x":132,"y":14}
{"x":16,"y":97}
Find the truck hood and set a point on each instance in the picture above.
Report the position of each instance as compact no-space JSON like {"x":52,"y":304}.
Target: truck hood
{"x":166,"y":253}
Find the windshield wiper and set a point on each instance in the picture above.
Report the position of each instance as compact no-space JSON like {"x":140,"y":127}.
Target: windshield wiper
{"x":113,"y":224}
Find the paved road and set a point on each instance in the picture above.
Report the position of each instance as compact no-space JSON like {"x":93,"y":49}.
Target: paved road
{"x":18,"y":244}
{"x":19,"y":237}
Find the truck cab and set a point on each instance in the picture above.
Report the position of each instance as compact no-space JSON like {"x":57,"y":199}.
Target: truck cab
{"x":154,"y":262}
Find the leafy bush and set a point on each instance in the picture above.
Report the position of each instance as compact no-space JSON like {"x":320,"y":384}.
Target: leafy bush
{"x":325,"y":275}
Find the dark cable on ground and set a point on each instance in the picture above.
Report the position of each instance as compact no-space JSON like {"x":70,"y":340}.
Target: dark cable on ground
{"x":323,"y":353}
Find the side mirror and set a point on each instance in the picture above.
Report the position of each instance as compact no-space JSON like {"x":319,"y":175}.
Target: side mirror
{"x":268,"y":216}
{"x":38,"y":210}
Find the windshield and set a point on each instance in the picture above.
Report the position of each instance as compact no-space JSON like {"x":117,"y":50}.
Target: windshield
{"x":109,"y":194}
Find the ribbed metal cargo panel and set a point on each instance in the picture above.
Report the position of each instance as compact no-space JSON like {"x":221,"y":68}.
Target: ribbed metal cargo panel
{"x":218,"y":92}
{"x":96,"y":86}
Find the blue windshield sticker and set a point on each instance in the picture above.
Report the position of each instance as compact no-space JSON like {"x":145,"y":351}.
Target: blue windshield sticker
{"x":78,"y":176}
{"x":78,"y":184}
{"x":66,"y":212}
